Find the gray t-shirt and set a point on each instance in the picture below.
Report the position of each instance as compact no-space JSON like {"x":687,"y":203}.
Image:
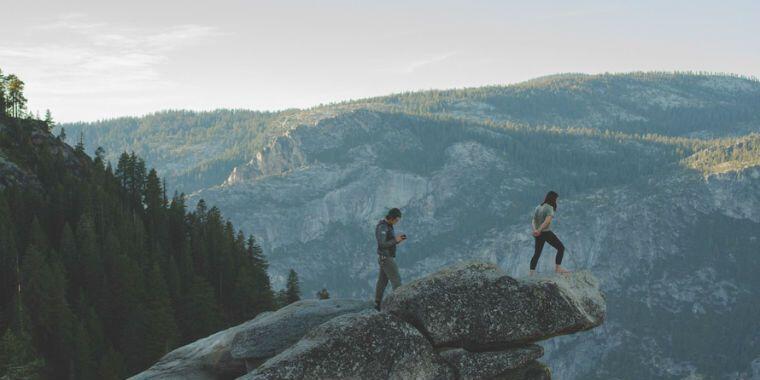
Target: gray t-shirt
{"x":542,"y":211}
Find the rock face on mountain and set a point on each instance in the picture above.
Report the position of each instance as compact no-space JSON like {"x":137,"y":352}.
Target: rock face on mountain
{"x":279,"y":156}
{"x":510,"y":311}
{"x":279,"y":330}
{"x":11,"y":174}
{"x":346,"y":339}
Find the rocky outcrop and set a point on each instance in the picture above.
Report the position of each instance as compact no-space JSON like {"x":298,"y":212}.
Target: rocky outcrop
{"x":489,"y":318}
{"x":469,"y":321}
{"x":12,"y":175}
{"x":205,"y":359}
{"x":366,"y":345}
{"x":232,"y":352}
{"x":277,"y":331}
{"x":282,"y":154}
{"x":478,"y":307}
{"x":15,"y":169}
{"x":485,"y":365}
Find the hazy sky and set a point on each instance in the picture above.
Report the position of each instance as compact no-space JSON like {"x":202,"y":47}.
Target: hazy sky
{"x":94,"y":59}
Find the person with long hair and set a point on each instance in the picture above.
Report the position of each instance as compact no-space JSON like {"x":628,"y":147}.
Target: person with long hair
{"x":542,"y":233}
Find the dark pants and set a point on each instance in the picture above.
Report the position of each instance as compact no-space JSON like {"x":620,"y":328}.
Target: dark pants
{"x":553,"y":240}
{"x":388,"y":271}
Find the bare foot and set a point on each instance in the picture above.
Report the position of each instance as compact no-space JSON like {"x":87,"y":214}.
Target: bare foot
{"x":561,"y":270}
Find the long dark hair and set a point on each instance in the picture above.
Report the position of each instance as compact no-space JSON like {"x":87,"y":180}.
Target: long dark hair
{"x":551,"y":199}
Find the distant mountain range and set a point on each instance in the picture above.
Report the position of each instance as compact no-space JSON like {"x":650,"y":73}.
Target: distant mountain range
{"x":196,"y":150}
{"x":658,"y":176}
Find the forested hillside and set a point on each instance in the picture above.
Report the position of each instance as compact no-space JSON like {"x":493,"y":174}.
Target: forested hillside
{"x":102,"y":271}
{"x":667,"y":103}
{"x":180,"y":142}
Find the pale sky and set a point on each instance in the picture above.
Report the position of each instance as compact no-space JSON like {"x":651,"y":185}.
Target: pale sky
{"x":93,"y":59}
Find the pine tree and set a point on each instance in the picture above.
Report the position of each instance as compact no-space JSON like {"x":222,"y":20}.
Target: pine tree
{"x":36,"y":290}
{"x":154,"y":205}
{"x":173,"y":283}
{"x":256,"y":254}
{"x":111,"y":366}
{"x":252,"y":294}
{"x":2,"y":94}
{"x":162,"y":333}
{"x":200,"y":211}
{"x":93,"y":325}
{"x":252,"y":291}
{"x":281,"y":298}
{"x":125,"y":285}
{"x":90,"y":260}
{"x":80,"y":143}
{"x":68,"y":250}
{"x":123,"y":170}
{"x":292,"y":288}
{"x":137,"y":178}
{"x":37,"y":236}
{"x":49,"y":120}
{"x":83,"y":364}
{"x":199,"y":312}
{"x":43,"y":292}
{"x":9,"y":262}
{"x":16,"y":99}
{"x":18,"y":358}
{"x":100,"y":158}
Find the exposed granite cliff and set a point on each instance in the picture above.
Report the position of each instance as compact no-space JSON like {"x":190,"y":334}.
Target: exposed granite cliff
{"x":468,"y":321}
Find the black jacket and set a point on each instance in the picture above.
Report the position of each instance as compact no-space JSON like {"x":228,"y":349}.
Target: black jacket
{"x":386,"y":239}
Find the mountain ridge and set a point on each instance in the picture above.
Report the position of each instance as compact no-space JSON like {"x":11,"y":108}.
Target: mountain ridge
{"x":188,"y":159}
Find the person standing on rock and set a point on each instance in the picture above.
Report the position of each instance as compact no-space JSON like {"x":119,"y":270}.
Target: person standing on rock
{"x":542,"y":233}
{"x":386,"y":251}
